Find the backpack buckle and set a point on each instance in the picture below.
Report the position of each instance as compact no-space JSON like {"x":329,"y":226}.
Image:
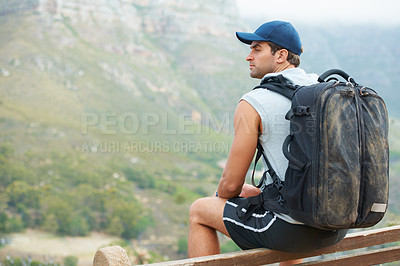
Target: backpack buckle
{"x":281,"y":201}
{"x":301,"y":110}
{"x":276,"y":180}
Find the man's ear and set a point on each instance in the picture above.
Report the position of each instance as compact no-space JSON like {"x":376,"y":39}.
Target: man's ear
{"x":282,"y":55}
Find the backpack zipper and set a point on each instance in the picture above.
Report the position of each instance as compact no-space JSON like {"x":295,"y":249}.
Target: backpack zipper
{"x":361,"y":140}
{"x":315,"y":167}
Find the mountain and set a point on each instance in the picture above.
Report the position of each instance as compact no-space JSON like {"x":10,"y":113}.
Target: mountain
{"x":366,"y":52}
{"x":116,"y":115}
{"x":137,"y":71}
{"x":104,"y":105}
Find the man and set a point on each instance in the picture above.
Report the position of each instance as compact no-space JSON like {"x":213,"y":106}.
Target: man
{"x":259,"y":116}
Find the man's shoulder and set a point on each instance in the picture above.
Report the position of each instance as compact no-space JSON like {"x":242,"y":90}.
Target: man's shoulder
{"x":265,"y":101}
{"x":295,"y":76}
{"x":261,"y":93}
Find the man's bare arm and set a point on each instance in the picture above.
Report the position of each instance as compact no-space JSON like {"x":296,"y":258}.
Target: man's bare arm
{"x":247,"y":127}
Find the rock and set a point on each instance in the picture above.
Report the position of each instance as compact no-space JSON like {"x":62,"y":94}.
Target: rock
{"x":111,"y":256}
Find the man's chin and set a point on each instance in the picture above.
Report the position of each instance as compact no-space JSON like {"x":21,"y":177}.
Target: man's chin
{"x":255,"y":75}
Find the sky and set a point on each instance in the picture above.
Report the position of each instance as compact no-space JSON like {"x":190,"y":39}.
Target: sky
{"x":383,"y":12}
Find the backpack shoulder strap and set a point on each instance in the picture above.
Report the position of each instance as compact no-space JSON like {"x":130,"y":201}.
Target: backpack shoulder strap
{"x":277,"y":181}
{"x":279,"y":85}
{"x":270,"y":198}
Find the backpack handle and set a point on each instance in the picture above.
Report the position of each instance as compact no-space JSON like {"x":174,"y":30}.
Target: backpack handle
{"x":335,"y":71}
{"x":293,"y":161}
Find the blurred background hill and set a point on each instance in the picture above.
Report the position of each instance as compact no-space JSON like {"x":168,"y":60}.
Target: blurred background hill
{"x":116,"y":115}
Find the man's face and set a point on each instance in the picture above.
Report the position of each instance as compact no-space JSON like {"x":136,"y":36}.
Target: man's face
{"x":261,"y":60}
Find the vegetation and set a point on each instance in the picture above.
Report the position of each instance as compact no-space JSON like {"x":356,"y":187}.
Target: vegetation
{"x":34,"y":195}
{"x":10,"y":261}
{"x":99,"y":135}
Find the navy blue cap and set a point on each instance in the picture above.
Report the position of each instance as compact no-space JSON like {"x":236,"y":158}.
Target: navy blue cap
{"x":279,"y":32}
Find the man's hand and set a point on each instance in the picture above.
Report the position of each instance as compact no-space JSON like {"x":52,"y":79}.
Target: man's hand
{"x":249,"y":191}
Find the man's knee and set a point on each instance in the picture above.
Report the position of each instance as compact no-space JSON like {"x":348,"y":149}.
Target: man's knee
{"x":208,"y":212}
{"x":204,"y":209}
{"x":195,"y":210}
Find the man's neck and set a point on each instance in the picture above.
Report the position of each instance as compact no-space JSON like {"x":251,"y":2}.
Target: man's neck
{"x":284,"y":66}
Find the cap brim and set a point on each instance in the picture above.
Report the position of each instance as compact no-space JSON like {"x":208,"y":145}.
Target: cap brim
{"x":248,"y":38}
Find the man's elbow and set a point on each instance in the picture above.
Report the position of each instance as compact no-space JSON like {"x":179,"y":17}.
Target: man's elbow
{"x":229,"y":190}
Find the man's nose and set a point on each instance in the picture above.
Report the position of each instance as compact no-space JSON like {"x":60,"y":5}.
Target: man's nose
{"x":249,"y":57}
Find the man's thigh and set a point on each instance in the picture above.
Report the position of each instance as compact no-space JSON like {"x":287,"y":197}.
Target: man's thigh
{"x":209,"y":212}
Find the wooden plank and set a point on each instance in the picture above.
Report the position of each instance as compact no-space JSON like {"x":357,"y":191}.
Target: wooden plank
{"x":248,"y":257}
{"x":369,"y":238}
{"x":265,"y":256}
{"x":370,"y":257}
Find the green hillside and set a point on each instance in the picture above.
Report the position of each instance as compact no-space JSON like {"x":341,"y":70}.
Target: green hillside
{"x":110,"y":129}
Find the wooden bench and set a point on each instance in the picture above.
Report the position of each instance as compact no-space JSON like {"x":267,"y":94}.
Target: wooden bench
{"x":350,"y":244}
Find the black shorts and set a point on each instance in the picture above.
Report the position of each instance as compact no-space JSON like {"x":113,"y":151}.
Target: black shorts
{"x":265,"y":230}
